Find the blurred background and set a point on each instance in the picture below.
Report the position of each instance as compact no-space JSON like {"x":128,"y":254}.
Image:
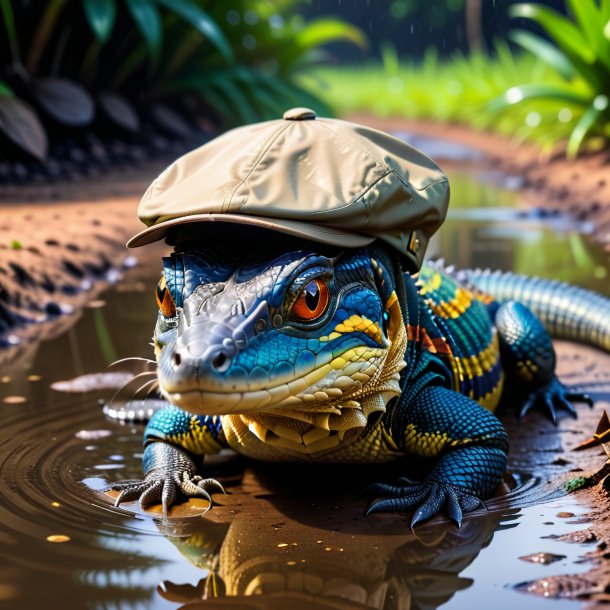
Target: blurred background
{"x":88,"y":84}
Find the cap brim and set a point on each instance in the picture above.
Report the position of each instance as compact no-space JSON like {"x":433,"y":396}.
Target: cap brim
{"x":309,"y":231}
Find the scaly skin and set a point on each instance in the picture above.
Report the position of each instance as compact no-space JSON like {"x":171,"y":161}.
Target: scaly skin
{"x":302,"y":356}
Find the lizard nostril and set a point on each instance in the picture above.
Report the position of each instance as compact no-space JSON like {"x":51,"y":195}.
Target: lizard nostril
{"x":219,"y":360}
{"x":177,"y":359}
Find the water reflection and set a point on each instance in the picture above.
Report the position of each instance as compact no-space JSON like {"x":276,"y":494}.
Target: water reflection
{"x":296,"y":548}
{"x":490,"y":226}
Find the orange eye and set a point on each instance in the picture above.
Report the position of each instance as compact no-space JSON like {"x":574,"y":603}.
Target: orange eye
{"x":164,"y":299}
{"x":312,"y":301}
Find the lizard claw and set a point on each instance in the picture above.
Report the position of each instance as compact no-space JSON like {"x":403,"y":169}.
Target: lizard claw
{"x":427,"y":498}
{"x":554,"y":395}
{"x":171,"y":473}
{"x":164,"y":489}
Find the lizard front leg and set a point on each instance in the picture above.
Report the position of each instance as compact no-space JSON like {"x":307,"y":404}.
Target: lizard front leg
{"x":172,"y":438}
{"x":471,"y":446}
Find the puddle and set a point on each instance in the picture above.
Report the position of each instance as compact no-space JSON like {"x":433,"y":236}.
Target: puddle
{"x":284,"y":532}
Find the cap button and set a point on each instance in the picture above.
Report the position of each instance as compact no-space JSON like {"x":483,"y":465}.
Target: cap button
{"x":299,"y":114}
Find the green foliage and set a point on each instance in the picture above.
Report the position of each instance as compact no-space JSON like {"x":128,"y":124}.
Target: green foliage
{"x":16,"y":245}
{"x":64,"y":63}
{"x":459,"y":90}
{"x":580,"y":54}
{"x":575,"y":484}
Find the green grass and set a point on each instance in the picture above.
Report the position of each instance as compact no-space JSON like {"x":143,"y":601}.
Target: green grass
{"x":459,"y":90}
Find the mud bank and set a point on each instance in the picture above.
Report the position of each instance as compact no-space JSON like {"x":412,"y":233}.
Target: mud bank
{"x":60,"y":244}
{"x":579,"y":187}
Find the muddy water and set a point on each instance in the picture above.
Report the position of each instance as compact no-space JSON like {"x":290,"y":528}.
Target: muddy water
{"x":285,"y":537}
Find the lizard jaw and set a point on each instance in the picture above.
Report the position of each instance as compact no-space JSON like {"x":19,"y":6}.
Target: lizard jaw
{"x":324,"y":389}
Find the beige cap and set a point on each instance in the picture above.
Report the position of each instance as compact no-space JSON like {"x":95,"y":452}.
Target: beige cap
{"x":324,"y":180}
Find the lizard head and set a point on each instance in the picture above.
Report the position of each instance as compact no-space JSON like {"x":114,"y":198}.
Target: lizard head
{"x":296,"y":334}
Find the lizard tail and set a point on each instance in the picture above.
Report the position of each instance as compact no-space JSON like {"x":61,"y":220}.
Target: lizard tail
{"x":567,"y":312}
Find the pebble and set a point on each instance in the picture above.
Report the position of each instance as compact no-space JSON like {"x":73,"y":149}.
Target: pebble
{"x":14,"y":400}
{"x":58,"y":538}
{"x":543,"y":558}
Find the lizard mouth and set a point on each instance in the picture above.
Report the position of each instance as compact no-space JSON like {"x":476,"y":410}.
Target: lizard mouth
{"x":324,"y":390}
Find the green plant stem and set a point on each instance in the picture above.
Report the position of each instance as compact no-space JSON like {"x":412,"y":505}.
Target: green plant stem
{"x":9,"y":26}
{"x":90,"y":62}
{"x":43,"y":32}
{"x":103,"y":337}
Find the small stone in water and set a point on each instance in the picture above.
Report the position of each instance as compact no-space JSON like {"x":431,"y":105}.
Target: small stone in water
{"x":89,"y":435}
{"x":565,"y":515}
{"x":34,"y":378}
{"x":543,"y":558}
{"x":14,"y":400}
{"x":93,"y":382}
{"x":58,"y":538}
{"x":556,"y":587}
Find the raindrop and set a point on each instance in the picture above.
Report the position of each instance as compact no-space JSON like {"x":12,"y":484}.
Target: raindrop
{"x":251,"y":17}
{"x":533,"y":119}
{"x":514,"y":95}
{"x":233,"y":17}
{"x":601,"y":102}
{"x":248,"y":42}
{"x":276,"y":21}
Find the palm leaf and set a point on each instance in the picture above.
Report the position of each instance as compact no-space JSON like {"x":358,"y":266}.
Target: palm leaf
{"x":589,"y":18}
{"x":315,"y":34}
{"x":202,"y":22}
{"x":101,"y":15}
{"x":586,"y":123}
{"x":148,"y":21}
{"x":21,"y":125}
{"x":521,"y":93}
{"x":561,"y":29}
{"x":545,"y":51}
{"x":324,"y":31}
{"x":572,"y":41}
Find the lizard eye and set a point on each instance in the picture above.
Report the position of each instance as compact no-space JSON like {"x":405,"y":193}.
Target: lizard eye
{"x":312,"y":302}
{"x":164,"y":299}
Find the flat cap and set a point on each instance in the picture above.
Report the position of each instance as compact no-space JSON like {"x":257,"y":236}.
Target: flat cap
{"x":325,"y":180}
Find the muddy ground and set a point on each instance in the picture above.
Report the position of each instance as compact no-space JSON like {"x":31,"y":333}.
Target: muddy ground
{"x":60,"y":244}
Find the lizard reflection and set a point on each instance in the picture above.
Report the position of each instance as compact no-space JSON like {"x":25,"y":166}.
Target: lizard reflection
{"x":281,"y":552}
